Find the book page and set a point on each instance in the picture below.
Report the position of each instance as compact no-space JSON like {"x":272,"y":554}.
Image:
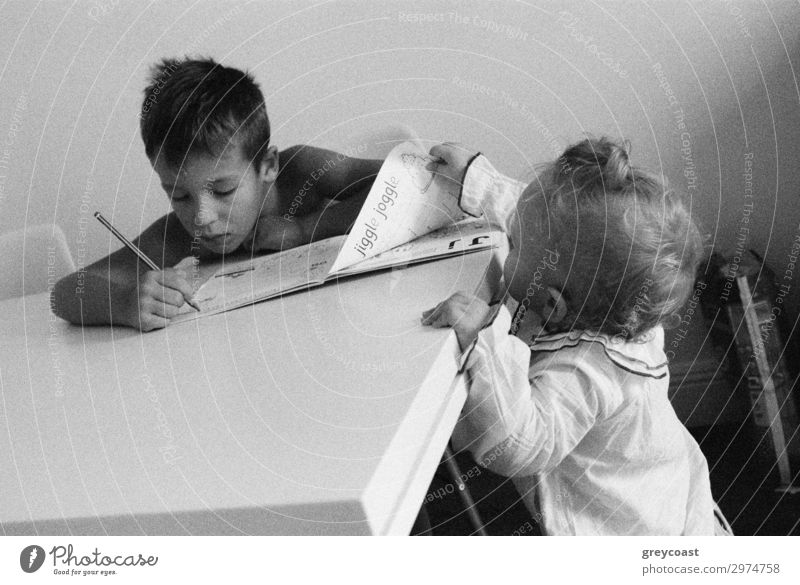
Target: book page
{"x":404,"y":203}
{"x":242,"y":282}
{"x":466,"y":236}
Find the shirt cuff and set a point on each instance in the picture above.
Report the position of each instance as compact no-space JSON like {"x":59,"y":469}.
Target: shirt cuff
{"x":496,"y":327}
{"x":478,"y":180}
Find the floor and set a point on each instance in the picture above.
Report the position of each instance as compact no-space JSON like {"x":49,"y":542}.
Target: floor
{"x":743,"y":481}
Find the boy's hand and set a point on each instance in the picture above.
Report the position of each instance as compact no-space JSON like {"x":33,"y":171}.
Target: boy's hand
{"x":275,"y":232}
{"x":157,"y":298}
{"x":466,"y":314}
{"x":452,"y":161}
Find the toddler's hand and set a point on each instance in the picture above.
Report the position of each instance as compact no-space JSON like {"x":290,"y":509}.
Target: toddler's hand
{"x":452,"y":161}
{"x":275,"y":232}
{"x":466,"y":314}
{"x":157,"y":298}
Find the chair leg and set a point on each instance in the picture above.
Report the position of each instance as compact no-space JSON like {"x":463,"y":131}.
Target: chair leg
{"x":463,"y":492}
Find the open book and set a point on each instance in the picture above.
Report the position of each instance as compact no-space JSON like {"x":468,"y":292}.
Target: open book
{"x":408,"y":217}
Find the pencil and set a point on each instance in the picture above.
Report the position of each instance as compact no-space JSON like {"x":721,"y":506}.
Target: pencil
{"x":133,"y":248}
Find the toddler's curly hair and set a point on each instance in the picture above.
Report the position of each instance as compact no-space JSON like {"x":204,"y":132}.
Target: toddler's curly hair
{"x":634,"y":246}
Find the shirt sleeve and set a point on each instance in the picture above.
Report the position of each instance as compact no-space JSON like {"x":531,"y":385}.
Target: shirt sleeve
{"x":488,"y":193}
{"x":520,"y":420}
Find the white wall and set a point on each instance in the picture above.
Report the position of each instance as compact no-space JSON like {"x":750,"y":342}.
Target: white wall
{"x":518,"y":81}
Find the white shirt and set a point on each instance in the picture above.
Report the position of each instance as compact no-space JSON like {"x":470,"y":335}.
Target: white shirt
{"x":584,"y":426}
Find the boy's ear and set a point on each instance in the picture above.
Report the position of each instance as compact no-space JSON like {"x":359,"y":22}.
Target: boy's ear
{"x":269,"y":165}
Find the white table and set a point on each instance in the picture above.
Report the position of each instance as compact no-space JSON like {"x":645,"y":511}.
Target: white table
{"x":322,"y":412}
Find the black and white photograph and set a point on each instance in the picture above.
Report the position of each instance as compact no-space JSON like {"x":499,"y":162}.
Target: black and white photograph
{"x":440,"y":268}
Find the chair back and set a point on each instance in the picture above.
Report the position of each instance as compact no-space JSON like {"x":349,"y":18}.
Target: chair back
{"x":33,"y":260}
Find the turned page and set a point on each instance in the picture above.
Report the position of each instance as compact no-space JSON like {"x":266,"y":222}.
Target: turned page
{"x":406,"y":201}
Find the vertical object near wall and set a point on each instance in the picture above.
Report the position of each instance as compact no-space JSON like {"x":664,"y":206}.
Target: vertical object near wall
{"x":762,"y":357}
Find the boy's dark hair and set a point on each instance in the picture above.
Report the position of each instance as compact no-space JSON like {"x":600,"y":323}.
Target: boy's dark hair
{"x":198,"y":106}
{"x":635,"y":246}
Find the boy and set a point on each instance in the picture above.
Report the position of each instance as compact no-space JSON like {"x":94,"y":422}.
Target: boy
{"x":206,"y":133}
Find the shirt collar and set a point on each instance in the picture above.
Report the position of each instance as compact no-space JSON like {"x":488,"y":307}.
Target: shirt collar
{"x":644,"y":356}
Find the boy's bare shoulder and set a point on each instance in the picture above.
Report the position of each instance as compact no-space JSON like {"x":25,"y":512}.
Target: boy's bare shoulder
{"x":301,"y":160}
{"x":325,"y":173}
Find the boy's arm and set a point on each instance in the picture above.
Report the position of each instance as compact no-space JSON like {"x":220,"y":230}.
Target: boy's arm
{"x":334,"y":218}
{"x":106,"y":292}
{"x":329,"y":189}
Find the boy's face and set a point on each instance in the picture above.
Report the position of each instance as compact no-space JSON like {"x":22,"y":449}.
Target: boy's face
{"x":534,"y":263}
{"x":218,"y":199}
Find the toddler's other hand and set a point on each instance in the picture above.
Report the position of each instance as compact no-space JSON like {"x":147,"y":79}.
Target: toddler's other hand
{"x":275,"y":232}
{"x":452,"y":161}
{"x":466,"y":314}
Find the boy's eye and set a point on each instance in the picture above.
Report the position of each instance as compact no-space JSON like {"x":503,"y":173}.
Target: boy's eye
{"x":224,"y":193}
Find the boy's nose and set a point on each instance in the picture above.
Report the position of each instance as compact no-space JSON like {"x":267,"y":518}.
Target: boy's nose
{"x":206,"y":214}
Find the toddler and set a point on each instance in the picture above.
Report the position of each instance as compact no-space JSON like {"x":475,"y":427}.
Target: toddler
{"x":574,"y":406}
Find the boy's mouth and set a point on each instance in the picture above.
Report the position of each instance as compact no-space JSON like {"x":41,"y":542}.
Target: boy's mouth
{"x":217,"y":243}
{"x":215,"y":239}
